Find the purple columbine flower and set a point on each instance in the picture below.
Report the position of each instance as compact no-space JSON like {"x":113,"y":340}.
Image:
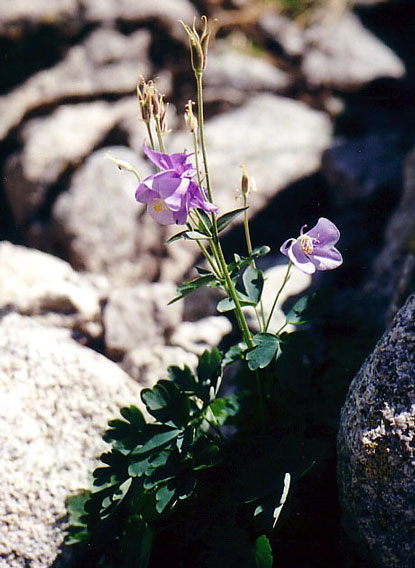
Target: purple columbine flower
{"x":170,"y":193}
{"x":314,"y":250}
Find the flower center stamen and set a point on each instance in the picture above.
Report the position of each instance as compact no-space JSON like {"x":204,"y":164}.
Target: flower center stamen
{"x":159,"y":205}
{"x":307,"y":243}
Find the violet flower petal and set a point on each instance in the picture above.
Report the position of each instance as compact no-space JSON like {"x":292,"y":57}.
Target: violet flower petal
{"x":176,"y":162}
{"x":143,"y":194}
{"x":325,"y":232}
{"x":158,"y":210}
{"x":300,"y":259}
{"x":326,"y":258}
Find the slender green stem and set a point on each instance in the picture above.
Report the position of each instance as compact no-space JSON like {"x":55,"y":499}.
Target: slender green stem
{"x":204,"y":250}
{"x":261,"y":320}
{"x":286,"y":277}
{"x":233,"y":295}
{"x":206,"y":254}
{"x":159,"y":134}
{"x":197,"y":161}
{"x":150,"y":135}
{"x":215,"y":244}
{"x":202,"y":132}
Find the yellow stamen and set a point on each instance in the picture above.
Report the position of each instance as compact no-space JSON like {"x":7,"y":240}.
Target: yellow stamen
{"x":306,"y":243}
{"x":159,"y":205}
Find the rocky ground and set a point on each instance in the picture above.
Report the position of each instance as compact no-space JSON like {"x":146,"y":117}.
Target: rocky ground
{"x":317,"y":102}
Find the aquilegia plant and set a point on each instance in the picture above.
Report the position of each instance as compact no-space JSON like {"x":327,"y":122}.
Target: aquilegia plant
{"x":202,"y":482}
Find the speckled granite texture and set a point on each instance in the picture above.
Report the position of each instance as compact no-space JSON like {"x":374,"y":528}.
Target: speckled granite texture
{"x":376,"y":446}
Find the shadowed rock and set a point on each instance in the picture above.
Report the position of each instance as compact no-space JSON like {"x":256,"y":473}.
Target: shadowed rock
{"x":376,"y":446}
{"x":107,"y":63}
{"x":55,"y":144}
{"x":342,"y":54}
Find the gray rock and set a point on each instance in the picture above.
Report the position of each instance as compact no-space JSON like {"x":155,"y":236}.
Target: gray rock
{"x":231,"y":75}
{"x":392,"y":276}
{"x":284,"y":31}
{"x":100,"y":225}
{"x":107,"y":63}
{"x":168,"y":13}
{"x":52,"y":145}
{"x":21,"y":15}
{"x":197,"y":336}
{"x":280,"y":141}
{"x":139,"y":316}
{"x":376,"y":446}
{"x":38,"y":284}
{"x":342,"y":54}
{"x":149,"y":364}
{"x":357,"y":168}
{"x":56,"y":400}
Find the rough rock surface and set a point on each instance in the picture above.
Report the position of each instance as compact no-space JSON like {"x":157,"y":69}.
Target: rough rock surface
{"x":21,"y":15}
{"x":392,"y":276}
{"x":200,"y":335}
{"x":376,"y":446}
{"x":107,"y":63}
{"x":231,"y":75}
{"x":167,"y":12}
{"x":38,"y":284}
{"x":343,"y":54}
{"x":53,"y":144}
{"x":149,"y":364}
{"x":286,"y":33}
{"x":56,"y":400}
{"x":278,"y":139}
{"x":139,"y":316}
{"x":100,"y":225}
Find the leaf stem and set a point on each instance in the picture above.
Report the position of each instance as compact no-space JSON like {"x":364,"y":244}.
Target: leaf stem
{"x":150,"y":135}
{"x":215,"y":244}
{"x":159,"y":134}
{"x":286,"y":277}
{"x":261,"y":320}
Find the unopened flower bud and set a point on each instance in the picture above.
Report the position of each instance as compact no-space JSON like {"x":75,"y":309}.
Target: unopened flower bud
{"x":189,"y":117}
{"x":124,"y":165}
{"x":248,"y":184}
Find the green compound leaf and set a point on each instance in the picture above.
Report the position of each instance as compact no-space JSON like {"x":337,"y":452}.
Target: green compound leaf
{"x":176,"y":237}
{"x":188,"y":287}
{"x":161,"y":438}
{"x":190,"y":235}
{"x":167,"y":403}
{"x":164,"y":498}
{"x":77,"y":532}
{"x":224,"y":408}
{"x":196,"y":236}
{"x":234,"y":353}
{"x":184,"y":379}
{"x":224,"y":220}
{"x":206,"y":223}
{"x":125,"y":434}
{"x":263,"y":553}
{"x":241,"y":262}
{"x":265,"y":349}
{"x":209,"y":367}
{"x":298,"y":314}
{"x":253,"y":280}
